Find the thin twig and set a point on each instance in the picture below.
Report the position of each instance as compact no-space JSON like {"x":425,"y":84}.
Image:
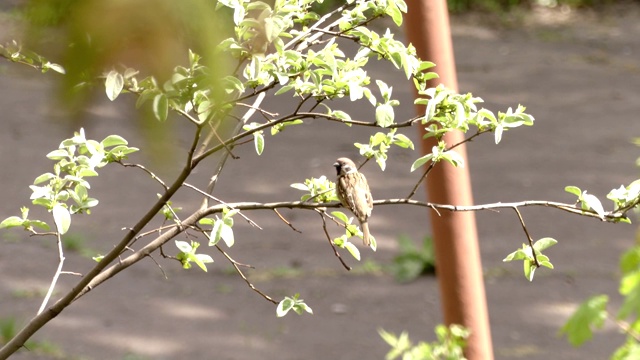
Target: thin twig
{"x":159,"y":267}
{"x":524,"y":227}
{"x":286,"y":222}
{"x":236,"y":266}
{"x":333,"y":247}
{"x":56,"y":275}
{"x":153,"y":176}
{"x":424,"y":176}
{"x":432,"y":164}
{"x":267,"y":115}
{"x":227,"y":145}
{"x":70,"y":273}
{"x":253,"y":223}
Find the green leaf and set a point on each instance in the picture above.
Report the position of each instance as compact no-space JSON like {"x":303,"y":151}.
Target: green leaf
{"x":498,"y":133}
{"x":573,"y":190}
{"x":58,"y":154}
{"x":216,"y":232}
{"x":183,"y":246}
{"x":421,"y":161}
{"x":258,"y":140}
{"x":594,"y":203}
{"x":384,"y":115}
{"x":529,"y":269}
{"x":55,"y":67}
{"x":226,"y":233}
{"x":403,"y":141}
{"x":544,"y":243}
{"x":591,"y":314}
{"x":11,"y":221}
{"x":42,"y":178}
{"x":161,"y":107}
{"x":41,"y":224}
{"x":201,"y":260}
{"x":300,"y":186}
{"x":114,"y":84}
{"x":206,"y":221}
{"x":61,"y":218}
{"x":516,"y":255}
{"x":630,"y":288}
{"x":342,"y":216}
{"x":454,"y":158}
{"x":353,"y":250}
{"x":284,"y":306}
{"x":395,"y":15}
{"x":113,"y":140}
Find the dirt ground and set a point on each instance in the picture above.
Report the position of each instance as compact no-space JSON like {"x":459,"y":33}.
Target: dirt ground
{"x":579,"y":75}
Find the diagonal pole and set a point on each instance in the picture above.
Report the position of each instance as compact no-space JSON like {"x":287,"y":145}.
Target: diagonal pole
{"x":458,"y":262}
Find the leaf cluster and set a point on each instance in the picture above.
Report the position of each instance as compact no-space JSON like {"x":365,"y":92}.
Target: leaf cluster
{"x":65,"y":191}
{"x":449,"y":345}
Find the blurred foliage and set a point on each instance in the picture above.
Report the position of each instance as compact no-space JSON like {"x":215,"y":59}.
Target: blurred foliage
{"x":449,"y":345}
{"x":152,"y":36}
{"x":412,"y":262}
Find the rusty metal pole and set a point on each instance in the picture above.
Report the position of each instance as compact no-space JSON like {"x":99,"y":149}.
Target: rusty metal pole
{"x":458,"y":262}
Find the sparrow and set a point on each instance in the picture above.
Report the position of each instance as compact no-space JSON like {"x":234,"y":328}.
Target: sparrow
{"x":354,"y":194}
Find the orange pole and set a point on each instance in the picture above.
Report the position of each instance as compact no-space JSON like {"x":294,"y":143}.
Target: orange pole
{"x":458,"y":262}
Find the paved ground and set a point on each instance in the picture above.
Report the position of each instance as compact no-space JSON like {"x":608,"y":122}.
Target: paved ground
{"x":579,"y":79}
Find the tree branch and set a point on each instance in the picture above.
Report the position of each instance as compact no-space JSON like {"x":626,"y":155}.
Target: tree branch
{"x":56,"y":275}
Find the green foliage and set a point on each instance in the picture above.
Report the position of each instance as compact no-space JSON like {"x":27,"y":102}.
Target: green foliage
{"x":379,"y":144}
{"x":449,"y":345}
{"x":350,"y":231}
{"x":14,"y":52}
{"x":589,"y":201}
{"x":65,"y":190}
{"x":526,"y":255}
{"x":412,"y":261}
{"x":292,"y":303}
{"x":591,"y":314}
{"x":319,"y":189}
{"x":222,"y":228}
{"x":188,"y":254}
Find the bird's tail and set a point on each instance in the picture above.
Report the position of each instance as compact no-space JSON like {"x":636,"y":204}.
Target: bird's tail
{"x":365,"y":232}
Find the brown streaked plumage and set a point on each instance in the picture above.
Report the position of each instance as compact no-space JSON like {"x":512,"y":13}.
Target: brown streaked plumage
{"x":354,"y":194}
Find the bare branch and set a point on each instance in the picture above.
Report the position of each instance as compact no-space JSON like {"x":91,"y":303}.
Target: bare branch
{"x":56,"y":275}
{"x":286,"y":222}
{"x":424,"y":176}
{"x":153,"y":176}
{"x":236,"y":266}
{"x":253,"y":223}
{"x":326,"y":232}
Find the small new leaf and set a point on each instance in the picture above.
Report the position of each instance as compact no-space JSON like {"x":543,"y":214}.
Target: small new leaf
{"x":573,"y":190}
{"x":353,"y":250}
{"x":258,"y":140}
{"x":61,"y":218}
{"x":593,"y":203}
{"x":294,"y":303}
{"x":114,"y":84}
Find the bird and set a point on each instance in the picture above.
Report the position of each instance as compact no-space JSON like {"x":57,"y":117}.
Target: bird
{"x":353,"y":191}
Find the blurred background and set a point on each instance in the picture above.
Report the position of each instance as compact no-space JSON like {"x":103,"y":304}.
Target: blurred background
{"x":575,"y":65}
